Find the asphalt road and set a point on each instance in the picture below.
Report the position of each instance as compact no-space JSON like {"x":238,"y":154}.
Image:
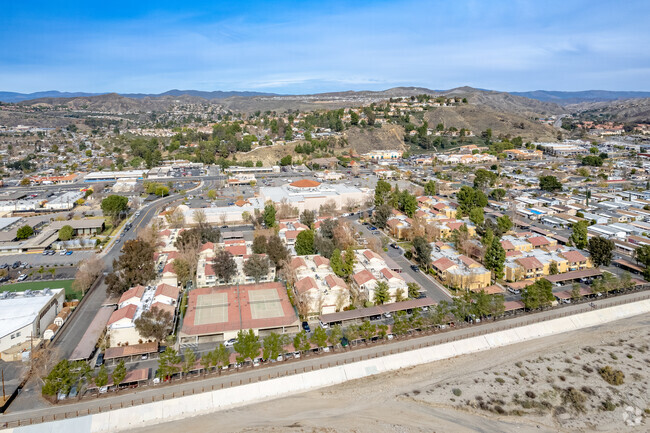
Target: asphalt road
{"x":38,"y":259}
{"x":433,"y":289}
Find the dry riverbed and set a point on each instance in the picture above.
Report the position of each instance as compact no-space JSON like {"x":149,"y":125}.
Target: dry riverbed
{"x":546,"y":385}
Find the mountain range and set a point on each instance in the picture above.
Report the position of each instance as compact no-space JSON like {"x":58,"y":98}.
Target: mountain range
{"x":556,"y":97}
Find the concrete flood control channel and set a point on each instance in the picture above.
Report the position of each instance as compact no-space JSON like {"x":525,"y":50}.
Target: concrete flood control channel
{"x":186,"y":399}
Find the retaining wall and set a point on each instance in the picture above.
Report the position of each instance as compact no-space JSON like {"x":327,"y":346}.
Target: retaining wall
{"x":188,"y":406}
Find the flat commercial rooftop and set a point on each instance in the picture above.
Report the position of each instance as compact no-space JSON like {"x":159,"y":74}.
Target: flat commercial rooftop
{"x":18,"y":312}
{"x":213,"y":310}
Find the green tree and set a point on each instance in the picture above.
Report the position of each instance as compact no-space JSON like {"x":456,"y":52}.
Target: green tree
{"x":382,"y":191}
{"x":24,"y":232}
{"x":601,"y":251}
{"x":336,"y":333}
{"x":381,"y":214}
{"x":259,"y":245}
{"x":305,"y":243}
{"x":430,"y":188}
{"x":101,"y":379}
{"x":168,"y":362}
{"x":336,"y":263}
{"x":642,"y":255}
{"x":422,"y":251}
{"x":504,"y":224}
{"x":382,"y":294}
{"x":349,"y":260}
{"x":484,"y":178}
{"x":538,"y":295}
{"x":257,"y":267}
{"x":498,"y":194}
{"x":319,"y":337}
{"x":269,"y":215}
{"x":220,"y":356}
{"x":549,"y":183}
{"x":413,"y":290}
{"x":408,"y":203}
{"x":367,"y":330}
{"x":188,"y":361}
{"x":495,"y":258}
{"x":477,"y":216}
{"x":552,"y":268}
{"x":135,"y":266}
{"x":307,"y":217}
{"x":301,"y":342}
{"x":579,"y":236}
{"x":114,"y":206}
{"x":276,"y":251}
{"x":273,"y":345}
{"x":225,"y":266}
{"x":66,"y":232}
{"x":247,"y":346}
{"x":63,"y":376}
{"x":119,"y":374}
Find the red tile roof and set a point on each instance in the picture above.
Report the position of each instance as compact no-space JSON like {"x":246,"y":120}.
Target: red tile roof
{"x":135,"y":292}
{"x":507,"y":245}
{"x":573,"y":256}
{"x":297,"y":262}
{"x":321,"y":261}
{"x":167,"y":290}
{"x":305,"y":285}
{"x":127,"y":312}
{"x":363,"y":277}
{"x":369,"y":254}
{"x":236,"y":250}
{"x":305,"y":183}
{"x":443,"y":264}
{"x":389,"y":274}
{"x":334,"y":281}
{"x":539,"y":241}
{"x":530,"y":263}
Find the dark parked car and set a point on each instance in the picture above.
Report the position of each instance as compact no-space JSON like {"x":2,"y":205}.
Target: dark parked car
{"x":100,"y":360}
{"x":415,"y":268}
{"x":306,"y":327}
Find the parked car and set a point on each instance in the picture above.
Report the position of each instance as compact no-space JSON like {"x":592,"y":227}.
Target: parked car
{"x":324,"y":325}
{"x":100,"y":360}
{"x":306,"y":327}
{"x":63,"y":252}
{"x":230,"y":342}
{"x":22,"y":277}
{"x":415,"y":268}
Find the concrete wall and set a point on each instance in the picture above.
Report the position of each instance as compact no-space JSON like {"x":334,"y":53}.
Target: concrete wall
{"x":184,"y":407}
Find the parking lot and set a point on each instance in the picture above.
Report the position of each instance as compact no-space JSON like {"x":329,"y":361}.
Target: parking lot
{"x":38,"y":259}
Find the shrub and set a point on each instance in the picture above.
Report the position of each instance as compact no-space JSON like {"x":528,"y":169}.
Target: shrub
{"x":611,"y":376}
{"x":457,"y":392}
{"x":500,"y":380}
{"x":608,"y":406}
{"x":574,"y":398}
{"x":587,"y":369}
{"x":522,"y":373}
{"x":589,"y":349}
{"x":530,"y":394}
{"x":499,"y":410}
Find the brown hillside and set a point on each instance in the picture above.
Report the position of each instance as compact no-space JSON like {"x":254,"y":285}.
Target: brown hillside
{"x":478,"y":119}
{"x":363,"y":140}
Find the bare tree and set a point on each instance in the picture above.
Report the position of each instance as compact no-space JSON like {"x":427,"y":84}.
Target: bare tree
{"x":175,"y":218}
{"x":328,"y":209}
{"x":351,"y":204}
{"x":199,"y":217}
{"x":87,"y":272}
{"x":286,"y":210}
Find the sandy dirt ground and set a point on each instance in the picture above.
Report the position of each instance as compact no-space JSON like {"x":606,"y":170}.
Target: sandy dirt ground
{"x":483,"y":392}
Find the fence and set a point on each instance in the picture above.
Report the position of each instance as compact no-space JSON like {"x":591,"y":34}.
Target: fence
{"x":198,"y":385}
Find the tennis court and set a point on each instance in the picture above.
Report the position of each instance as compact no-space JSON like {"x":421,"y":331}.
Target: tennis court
{"x":211,"y":308}
{"x":265,"y":304}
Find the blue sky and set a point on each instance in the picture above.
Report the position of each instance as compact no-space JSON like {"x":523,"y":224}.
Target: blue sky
{"x":303,"y":47}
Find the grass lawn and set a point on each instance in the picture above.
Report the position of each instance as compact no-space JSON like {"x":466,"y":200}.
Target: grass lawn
{"x":39,"y":285}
